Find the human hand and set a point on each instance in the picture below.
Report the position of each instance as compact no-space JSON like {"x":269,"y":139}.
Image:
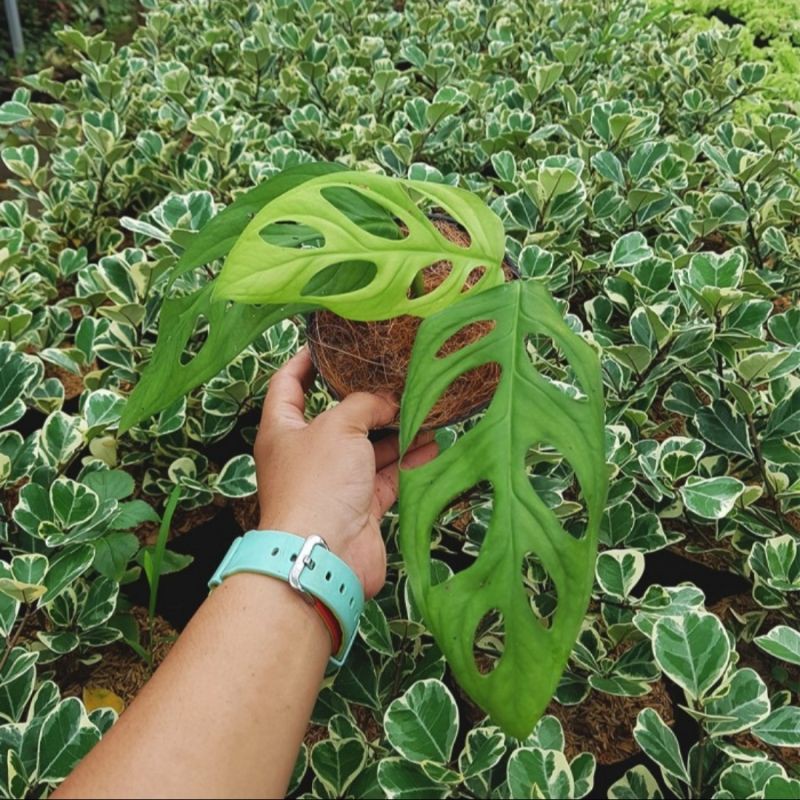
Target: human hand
{"x":325,"y":476}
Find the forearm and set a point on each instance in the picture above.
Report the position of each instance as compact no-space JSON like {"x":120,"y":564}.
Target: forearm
{"x":226,"y":712}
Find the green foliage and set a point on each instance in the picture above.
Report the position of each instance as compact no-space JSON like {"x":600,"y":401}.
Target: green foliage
{"x":771,"y":31}
{"x":615,"y":144}
{"x":527,"y":413}
{"x":258,"y":271}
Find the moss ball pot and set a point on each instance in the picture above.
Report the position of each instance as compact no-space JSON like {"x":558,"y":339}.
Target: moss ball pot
{"x":374,"y":356}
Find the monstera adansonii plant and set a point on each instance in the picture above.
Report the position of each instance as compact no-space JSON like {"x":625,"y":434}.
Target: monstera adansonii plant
{"x":299,"y":242}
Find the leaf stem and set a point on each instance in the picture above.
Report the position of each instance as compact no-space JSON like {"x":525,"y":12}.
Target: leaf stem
{"x":756,"y":443}
{"x":154,"y":566}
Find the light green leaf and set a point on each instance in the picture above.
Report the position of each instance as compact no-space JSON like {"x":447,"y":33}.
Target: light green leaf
{"x":257,"y":271}
{"x":230,"y":328}
{"x":531,"y":411}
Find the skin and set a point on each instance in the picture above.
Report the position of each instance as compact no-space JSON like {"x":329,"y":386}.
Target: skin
{"x":225,"y":714}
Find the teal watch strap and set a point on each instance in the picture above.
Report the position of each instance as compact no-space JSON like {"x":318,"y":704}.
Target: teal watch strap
{"x":308,"y":566}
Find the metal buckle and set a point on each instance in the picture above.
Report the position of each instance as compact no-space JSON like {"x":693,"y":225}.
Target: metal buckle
{"x":302,"y":561}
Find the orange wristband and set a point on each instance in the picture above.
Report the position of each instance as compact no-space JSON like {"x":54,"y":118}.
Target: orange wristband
{"x":331,"y":623}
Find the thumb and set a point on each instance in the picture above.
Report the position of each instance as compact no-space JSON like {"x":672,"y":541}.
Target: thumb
{"x":362,"y":411}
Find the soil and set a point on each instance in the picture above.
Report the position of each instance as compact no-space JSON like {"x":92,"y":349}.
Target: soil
{"x":716,"y":555}
{"x":668,"y":424}
{"x":72,"y":383}
{"x":374,"y":356}
{"x":183,"y":522}
{"x":751,"y":656}
{"x":121,"y":670}
{"x":603,"y":723}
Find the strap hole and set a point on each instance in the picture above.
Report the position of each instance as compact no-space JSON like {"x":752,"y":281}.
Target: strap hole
{"x":293,"y":557}
{"x":341,"y":589}
{"x":275,"y":551}
{"x":327,"y":576}
{"x":351,"y":602}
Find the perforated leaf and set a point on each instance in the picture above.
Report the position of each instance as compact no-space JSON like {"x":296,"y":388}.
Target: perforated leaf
{"x":230,"y":327}
{"x":260,"y":271}
{"x":230,"y":330}
{"x":526,"y":410}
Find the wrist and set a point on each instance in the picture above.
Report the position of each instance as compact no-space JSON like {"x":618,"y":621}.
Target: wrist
{"x":305,"y":527}
{"x":318,"y":577}
{"x":286,"y":606}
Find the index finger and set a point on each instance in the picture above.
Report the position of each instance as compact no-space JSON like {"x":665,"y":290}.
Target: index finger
{"x":286,"y":396}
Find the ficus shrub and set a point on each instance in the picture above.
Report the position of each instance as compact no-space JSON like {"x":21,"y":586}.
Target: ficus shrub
{"x":662,"y":220}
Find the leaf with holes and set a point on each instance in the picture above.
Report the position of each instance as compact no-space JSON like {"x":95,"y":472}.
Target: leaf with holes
{"x":232,"y":327}
{"x":259,"y":270}
{"x":167,"y":378}
{"x":526,"y":410}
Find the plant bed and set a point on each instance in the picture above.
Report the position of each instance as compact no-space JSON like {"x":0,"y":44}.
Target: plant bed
{"x":181,"y":593}
{"x":121,"y":670}
{"x":617,"y":147}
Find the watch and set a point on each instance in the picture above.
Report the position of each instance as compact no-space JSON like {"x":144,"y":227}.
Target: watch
{"x":310,"y":568}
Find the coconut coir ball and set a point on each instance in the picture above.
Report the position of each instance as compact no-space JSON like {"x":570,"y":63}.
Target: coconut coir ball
{"x":374,"y":356}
